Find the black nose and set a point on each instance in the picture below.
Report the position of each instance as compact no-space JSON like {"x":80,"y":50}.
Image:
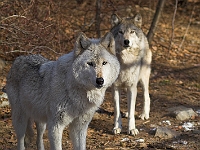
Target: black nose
{"x":99,"y":82}
{"x":126,"y":42}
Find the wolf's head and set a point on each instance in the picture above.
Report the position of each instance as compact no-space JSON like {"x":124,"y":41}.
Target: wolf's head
{"x":127,"y":31}
{"x":95,"y":64}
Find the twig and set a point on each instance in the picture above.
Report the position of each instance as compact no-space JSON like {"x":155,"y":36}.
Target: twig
{"x":180,"y":46}
{"x":40,"y":47}
{"x":173,"y":20}
{"x":47,"y":26}
{"x":13,"y":16}
{"x":106,"y":143}
{"x":16,"y":51}
{"x":112,"y":5}
{"x":2,"y":27}
{"x":90,"y":23}
{"x":30,"y":52}
{"x":16,"y":28}
{"x":146,"y":122}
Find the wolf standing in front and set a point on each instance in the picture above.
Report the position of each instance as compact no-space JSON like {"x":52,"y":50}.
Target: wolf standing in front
{"x":135,"y":59}
{"x":63,"y":92}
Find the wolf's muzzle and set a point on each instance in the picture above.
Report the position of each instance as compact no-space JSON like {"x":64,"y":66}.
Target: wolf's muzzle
{"x":99,"y":82}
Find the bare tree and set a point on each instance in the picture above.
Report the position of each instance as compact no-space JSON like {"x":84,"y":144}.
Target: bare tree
{"x":156,"y":18}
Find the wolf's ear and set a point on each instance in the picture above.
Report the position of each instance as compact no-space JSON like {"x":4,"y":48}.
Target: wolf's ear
{"x":81,"y":44}
{"x":115,"y":20}
{"x":108,"y":42}
{"x":138,"y":20}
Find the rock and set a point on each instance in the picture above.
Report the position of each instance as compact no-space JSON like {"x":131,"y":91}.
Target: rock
{"x":184,"y":142}
{"x":166,"y":133}
{"x":3,"y":95}
{"x":125,"y":139}
{"x":188,"y":126}
{"x":140,"y":140}
{"x":198,"y":111}
{"x":3,"y":100}
{"x":4,"y":103}
{"x":196,"y":132}
{"x":167,"y":122}
{"x":183,"y":113}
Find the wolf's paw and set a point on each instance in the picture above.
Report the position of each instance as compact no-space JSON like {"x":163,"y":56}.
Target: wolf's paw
{"x":133,"y":132}
{"x":144,"y":116}
{"x":116,"y":130}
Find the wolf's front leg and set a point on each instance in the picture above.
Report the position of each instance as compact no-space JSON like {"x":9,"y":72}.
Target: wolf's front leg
{"x":117,"y":120}
{"x":40,"y":131}
{"x":78,"y":130}
{"x":131,"y":96}
{"x":145,"y":83}
{"x":55,"y":131}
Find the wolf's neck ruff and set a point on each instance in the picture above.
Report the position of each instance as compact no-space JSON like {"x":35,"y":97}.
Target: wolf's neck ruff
{"x":93,"y":94}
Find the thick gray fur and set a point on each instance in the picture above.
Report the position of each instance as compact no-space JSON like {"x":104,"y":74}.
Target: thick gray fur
{"x":63,"y":92}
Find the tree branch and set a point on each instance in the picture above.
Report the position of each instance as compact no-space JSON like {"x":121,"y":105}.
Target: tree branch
{"x":173,"y":20}
{"x":180,"y":46}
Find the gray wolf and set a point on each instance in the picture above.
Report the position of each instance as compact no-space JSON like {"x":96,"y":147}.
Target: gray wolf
{"x":135,"y":57}
{"x":59,"y":93}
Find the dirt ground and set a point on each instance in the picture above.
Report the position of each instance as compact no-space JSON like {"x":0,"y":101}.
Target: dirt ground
{"x":175,"y":77}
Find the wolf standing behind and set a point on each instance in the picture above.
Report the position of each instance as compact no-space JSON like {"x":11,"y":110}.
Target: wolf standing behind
{"x":63,"y":92}
{"x":134,"y":55}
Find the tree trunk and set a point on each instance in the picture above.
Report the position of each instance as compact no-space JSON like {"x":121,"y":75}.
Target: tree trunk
{"x":156,"y":18}
{"x":98,"y":18}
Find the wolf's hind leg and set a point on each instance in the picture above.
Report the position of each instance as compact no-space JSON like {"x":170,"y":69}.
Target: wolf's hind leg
{"x":20,"y":125}
{"x":117,"y":119}
{"x":40,"y":131}
{"x":29,"y":133}
{"x":145,"y":83}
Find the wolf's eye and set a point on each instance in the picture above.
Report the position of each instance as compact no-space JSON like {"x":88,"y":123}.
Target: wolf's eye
{"x":121,"y":32}
{"x":90,"y":63}
{"x":104,"y":63}
{"x":132,"y":31}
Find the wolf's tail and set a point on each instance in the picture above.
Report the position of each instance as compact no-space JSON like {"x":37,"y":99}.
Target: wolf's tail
{"x":22,"y":67}
{"x":24,"y":64}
